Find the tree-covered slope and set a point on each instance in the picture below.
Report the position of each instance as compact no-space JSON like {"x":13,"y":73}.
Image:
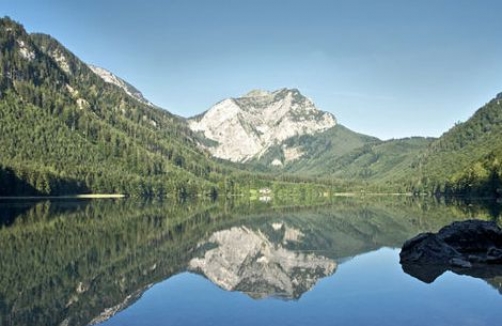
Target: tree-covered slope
{"x":464,"y":161}
{"x":312,"y":154}
{"x":66,"y":130}
{"x":343,"y":155}
{"x":467,"y":159}
{"x":385,"y":163}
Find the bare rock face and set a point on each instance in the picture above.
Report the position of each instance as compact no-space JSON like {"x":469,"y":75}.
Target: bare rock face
{"x":464,"y":247}
{"x":241,"y":259}
{"x":244,"y":128}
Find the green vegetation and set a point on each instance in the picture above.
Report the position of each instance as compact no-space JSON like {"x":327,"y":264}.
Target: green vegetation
{"x":318,"y":151}
{"x":467,"y":160}
{"x":350,"y":162}
{"x":381,"y":163}
{"x":464,"y":162}
{"x":66,"y":131}
{"x":72,"y":260}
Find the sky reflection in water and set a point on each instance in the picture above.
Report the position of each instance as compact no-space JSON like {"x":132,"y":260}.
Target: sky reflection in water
{"x":370,"y":289}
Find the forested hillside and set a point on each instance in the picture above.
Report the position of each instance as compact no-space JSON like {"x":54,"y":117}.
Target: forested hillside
{"x":386,"y":164}
{"x":467,"y":160}
{"x":351,"y":159}
{"x":316,"y":152}
{"x":65,"y":130}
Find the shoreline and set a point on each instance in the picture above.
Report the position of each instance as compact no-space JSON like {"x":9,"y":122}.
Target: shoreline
{"x":82,"y":196}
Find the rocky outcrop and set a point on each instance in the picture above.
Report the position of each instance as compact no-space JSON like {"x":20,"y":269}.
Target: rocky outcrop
{"x":110,"y":78}
{"x":461,"y":245}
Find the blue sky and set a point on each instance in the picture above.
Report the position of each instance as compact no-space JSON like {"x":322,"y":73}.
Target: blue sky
{"x":387,"y":68}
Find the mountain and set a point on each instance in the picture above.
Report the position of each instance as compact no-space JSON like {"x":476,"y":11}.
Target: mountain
{"x":283,"y":132}
{"x":65,"y":130}
{"x":244,"y":128}
{"x":467,"y":159}
{"x":68,"y":127}
{"x":112,"y":79}
{"x":315,"y":153}
{"x":464,"y":161}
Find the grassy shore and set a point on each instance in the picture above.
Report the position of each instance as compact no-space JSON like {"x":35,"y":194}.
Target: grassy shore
{"x":82,"y":196}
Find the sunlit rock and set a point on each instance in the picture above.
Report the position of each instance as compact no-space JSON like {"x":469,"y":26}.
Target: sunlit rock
{"x":246,"y":127}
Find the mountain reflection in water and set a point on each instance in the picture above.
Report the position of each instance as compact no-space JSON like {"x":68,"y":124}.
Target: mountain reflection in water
{"x":248,"y":261}
{"x":67,"y":263}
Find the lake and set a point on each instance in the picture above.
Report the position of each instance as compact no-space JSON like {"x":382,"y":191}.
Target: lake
{"x":121,"y":262}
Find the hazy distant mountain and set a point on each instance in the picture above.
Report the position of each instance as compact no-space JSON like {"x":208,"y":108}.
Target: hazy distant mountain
{"x":245,"y":128}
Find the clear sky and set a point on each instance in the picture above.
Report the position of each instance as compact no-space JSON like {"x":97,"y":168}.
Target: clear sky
{"x":387,"y":68}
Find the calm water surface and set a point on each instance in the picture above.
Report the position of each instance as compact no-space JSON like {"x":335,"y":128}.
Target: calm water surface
{"x":370,"y":289}
{"x":129,"y":263}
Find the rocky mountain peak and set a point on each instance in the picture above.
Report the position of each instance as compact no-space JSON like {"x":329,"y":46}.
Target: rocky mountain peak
{"x":246,"y":127}
{"x":242,"y":259}
{"x":260,"y":99}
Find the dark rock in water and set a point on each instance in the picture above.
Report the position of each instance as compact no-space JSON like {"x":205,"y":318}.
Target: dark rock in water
{"x":470,"y":247}
{"x":424,"y":273}
{"x":428,"y":248}
{"x":494,"y":256}
{"x":459,"y":262}
{"x":472,"y":236}
{"x":459,"y":244}
{"x":429,"y":273}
